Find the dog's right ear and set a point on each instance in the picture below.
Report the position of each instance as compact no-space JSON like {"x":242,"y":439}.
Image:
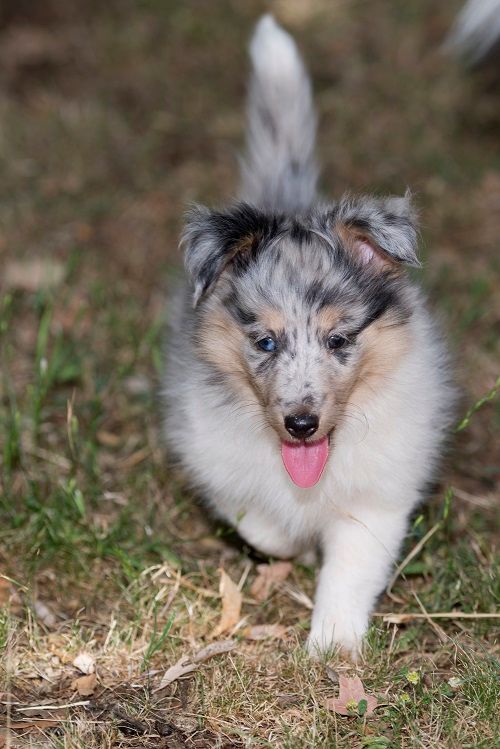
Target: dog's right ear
{"x":214,"y":239}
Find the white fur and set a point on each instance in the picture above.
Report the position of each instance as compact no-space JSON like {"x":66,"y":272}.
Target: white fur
{"x":359,"y":510}
{"x":279,"y":170}
{"x":476,"y":30}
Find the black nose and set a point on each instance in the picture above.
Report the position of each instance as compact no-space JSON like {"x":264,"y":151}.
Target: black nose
{"x":301,"y":425}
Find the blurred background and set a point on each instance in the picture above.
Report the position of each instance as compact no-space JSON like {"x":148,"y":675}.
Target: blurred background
{"x":113,"y":117}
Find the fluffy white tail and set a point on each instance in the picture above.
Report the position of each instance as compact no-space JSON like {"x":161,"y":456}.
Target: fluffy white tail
{"x":279,"y":172}
{"x":476,"y":31}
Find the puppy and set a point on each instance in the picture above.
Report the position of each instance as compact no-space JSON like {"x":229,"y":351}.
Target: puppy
{"x":307,"y":390}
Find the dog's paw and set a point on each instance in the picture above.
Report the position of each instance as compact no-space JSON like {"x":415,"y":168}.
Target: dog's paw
{"x":329,"y":634}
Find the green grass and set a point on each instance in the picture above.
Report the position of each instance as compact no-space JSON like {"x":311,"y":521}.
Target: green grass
{"x":97,"y":174}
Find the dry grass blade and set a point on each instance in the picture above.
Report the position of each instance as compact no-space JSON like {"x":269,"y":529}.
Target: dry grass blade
{"x":298,"y":596}
{"x":394,"y":618}
{"x":437,"y":629}
{"x":37,"y":708}
{"x":413,"y":553}
{"x":27,"y":725}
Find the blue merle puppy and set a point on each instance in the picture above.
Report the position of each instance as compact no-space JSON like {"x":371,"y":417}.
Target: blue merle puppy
{"x":307,"y":389}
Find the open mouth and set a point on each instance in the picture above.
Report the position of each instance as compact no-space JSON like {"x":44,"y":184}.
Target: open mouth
{"x":305,"y":461}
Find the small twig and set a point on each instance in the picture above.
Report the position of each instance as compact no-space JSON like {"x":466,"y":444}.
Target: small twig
{"x":206,"y":593}
{"x":393,"y":618}
{"x":244,"y":576}
{"x":413,"y":553}
{"x":50,"y":457}
{"x":297,"y":595}
{"x":477,"y":501}
{"x":137,"y":457}
{"x":184,"y":583}
{"x":393,"y":637}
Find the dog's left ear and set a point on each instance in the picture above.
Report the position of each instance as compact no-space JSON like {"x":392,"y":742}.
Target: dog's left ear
{"x":378,"y":231}
{"x":212,"y":240}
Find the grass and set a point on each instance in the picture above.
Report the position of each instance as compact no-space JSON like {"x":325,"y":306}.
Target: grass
{"x":126,"y":116}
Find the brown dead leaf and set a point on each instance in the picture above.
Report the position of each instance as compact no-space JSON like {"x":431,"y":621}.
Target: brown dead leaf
{"x":265,"y":632}
{"x":85,"y":685}
{"x":187,"y":664}
{"x":332,"y":675}
{"x":268,"y":576}
{"x":352,"y":699}
{"x":231,"y":605}
{"x":32,"y":275}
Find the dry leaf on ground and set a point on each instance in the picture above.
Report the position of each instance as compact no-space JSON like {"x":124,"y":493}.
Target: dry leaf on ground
{"x":231,"y":605}
{"x":265,"y":632}
{"x":187,"y":664}
{"x":332,"y":675}
{"x":268,"y":576}
{"x":85,"y":663}
{"x":32,"y":275}
{"x":352,"y":699}
{"x":85,"y":685}
{"x":44,"y":613}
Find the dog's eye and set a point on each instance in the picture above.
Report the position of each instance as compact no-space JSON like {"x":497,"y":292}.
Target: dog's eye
{"x":267,"y":344}
{"x":336,"y":341}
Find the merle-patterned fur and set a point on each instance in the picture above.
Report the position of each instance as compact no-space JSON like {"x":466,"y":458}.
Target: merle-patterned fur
{"x":352,"y":343}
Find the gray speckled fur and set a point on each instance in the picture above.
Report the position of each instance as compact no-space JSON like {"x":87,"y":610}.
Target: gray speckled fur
{"x":278,"y":263}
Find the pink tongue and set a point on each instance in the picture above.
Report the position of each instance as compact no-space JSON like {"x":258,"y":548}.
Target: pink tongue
{"x":305,"y":461}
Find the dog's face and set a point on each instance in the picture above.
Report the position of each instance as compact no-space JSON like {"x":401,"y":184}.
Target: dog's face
{"x":294,"y":316}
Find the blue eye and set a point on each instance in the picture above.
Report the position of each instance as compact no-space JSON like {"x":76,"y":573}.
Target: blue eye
{"x":267,"y":344}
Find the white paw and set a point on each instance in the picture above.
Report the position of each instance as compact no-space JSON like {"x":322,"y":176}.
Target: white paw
{"x":329,"y":633}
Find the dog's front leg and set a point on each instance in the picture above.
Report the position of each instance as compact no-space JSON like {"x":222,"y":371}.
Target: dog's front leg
{"x":264,"y":535}
{"x":358,"y":554}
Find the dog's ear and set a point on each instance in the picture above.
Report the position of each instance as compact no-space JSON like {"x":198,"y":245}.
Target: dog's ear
{"x":214,"y":239}
{"x":378,"y":231}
